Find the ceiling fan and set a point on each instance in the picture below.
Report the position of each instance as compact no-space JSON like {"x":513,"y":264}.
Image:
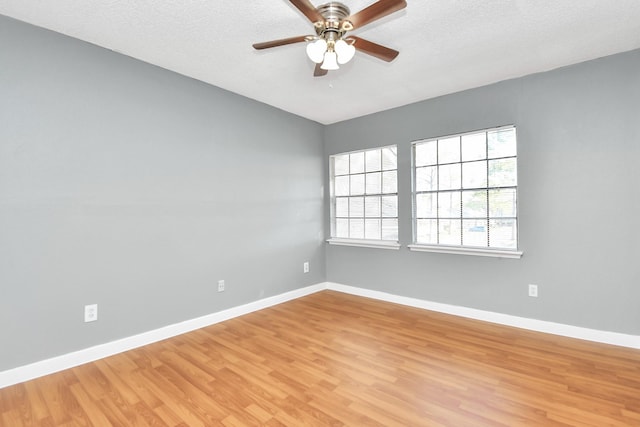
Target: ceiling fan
{"x":331,"y":21}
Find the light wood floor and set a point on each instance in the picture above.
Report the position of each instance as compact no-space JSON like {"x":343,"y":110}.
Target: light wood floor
{"x":332,"y":359}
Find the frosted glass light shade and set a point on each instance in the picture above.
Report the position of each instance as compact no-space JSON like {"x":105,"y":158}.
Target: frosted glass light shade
{"x":316,"y":50}
{"x":345,"y":51}
{"x":330,"y":61}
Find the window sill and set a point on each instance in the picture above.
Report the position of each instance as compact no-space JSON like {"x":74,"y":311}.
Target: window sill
{"x":498,"y":253}
{"x":363,"y":243}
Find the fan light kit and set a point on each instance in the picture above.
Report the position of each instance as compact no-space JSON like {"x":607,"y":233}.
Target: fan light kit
{"x":330,"y":47}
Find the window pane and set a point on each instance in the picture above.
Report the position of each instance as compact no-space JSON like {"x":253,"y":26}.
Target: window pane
{"x":426,"y":206}
{"x":449,"y":204}
{"x":474,"y":204}
{"x":427,"y":179}
{"x":464,"y":186}
{"x":372,"y":206}
{"x":474,"y":147}
{"x":503,"y":233}
{"x":449,"y":150}
{"x":503,"y":173}
{"x":427,"y":231}
{"x":341,"y":164}
{"x":502,"y":143}
{"x":373,"y":160}
{"x":389,"y":206}
{"x":449,"y":232}
{"x":341,"y":184}
{"x":374,"y":183}
{"x":372,"y":229}
{"x":356,"y":228}
{"x":342,"y":206}
{"x":474,"y":174}
{"x":389,"y":182}
{"x":390,"y":229}
{"x":357,"y":184}
{"x":359,"y":180}
{"x":502,"y":203}
{"x":342,"y":228}
{"x":356,"y":207}
{"x":449,"y":177}
{"x":426,"y":153}
{"x":474,"y":232}
{"x":356,"y":162}
{"x":389,"y":158}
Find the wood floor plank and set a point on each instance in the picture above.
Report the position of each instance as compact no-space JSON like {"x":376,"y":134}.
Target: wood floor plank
{"x":88,"y":411}
{"x":37,"y":404}
{"x":332,"y":359}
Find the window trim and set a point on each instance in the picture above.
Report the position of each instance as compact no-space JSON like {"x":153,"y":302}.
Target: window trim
{"x":463,"y":250}
{"x":365,"y":243}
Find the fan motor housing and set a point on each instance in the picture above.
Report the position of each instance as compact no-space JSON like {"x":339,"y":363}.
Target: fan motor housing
{"x":335,"y":23}
{"x":334,"y":11}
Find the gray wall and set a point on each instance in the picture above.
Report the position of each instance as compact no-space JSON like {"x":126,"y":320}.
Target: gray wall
{"x":132,"y":187}
{"x":578,"y":147}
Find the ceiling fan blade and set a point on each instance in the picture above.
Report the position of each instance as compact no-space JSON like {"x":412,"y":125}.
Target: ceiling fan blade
{"x":378,"y":10}
{"x":281,"y":42}
{"x":308,"y":10}
{"x":374,"y":49}
{"x":319,"y":72}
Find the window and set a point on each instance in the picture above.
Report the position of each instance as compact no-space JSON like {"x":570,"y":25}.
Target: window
{"x":364,"y":197}
{"x":465,"y":192}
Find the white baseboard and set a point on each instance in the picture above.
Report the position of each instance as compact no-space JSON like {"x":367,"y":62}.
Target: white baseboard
{"x":66,"y":361}
{"x":70,"y":360}
{"x":615,"y":338}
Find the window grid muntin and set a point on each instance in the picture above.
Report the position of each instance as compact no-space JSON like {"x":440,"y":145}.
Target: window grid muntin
{"x":387,"y":221}
{"x":488,"y":219}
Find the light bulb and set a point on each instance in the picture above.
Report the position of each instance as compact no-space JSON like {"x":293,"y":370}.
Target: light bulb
{"x":316,"y":50}
{"x":330,"y":61}
{"x":345,"y":51}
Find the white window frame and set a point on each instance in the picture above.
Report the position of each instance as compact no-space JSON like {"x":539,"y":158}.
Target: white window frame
{"x":463,"y":249}
{"x":363,"y":175}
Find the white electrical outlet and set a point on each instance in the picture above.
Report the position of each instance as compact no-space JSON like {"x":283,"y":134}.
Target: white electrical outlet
{"x":91,"y":313}
{"x":305,"y":267}
{"x":220,"y":285}
{"x":533,"y":291}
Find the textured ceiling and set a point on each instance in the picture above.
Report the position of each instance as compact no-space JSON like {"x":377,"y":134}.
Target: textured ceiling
{"x":445,"y":45}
